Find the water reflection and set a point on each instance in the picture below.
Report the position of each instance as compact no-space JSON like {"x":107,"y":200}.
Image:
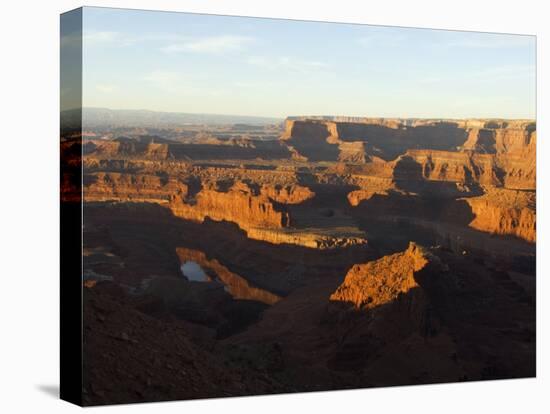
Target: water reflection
{"x":195,"y":261}
{"x":194,"y":272}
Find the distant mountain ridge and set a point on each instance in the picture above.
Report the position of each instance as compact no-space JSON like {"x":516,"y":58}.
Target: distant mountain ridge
{"x":103,"y":117}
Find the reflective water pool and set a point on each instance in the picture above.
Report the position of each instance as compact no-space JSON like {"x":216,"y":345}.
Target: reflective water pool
{"x":194,"y":272}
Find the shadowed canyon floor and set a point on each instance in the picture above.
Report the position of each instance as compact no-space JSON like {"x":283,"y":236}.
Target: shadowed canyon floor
{"x":331,"y":253}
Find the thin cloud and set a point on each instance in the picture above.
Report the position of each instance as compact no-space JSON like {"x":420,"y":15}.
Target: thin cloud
{"x":431,"y":80}
{"x":174,"y":82}
{"x":286,"y":63}
{"x":114,"y":38}
{"x":505,"y":72}
{"x":163,"y":77}
{"x":104,"y":88}
{"x":97,"y":37}
{"x":378,"y":37}
{"x":444,"y":40}
{"x":212,"y":45}
{"x":496,"y":41}
{"x":490,"y":74}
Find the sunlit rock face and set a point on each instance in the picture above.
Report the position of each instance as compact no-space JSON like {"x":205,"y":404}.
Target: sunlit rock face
{"x":372,"y":284}
{"x":383,"y":303}
{"x":116,"y":186}
{"x":289,"y":194}
{"x":505,"y":212}
{"x":489,"y":152}
{"x":239,"y":205}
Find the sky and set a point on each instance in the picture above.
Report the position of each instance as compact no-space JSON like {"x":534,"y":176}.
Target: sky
{"x":196,"y":63}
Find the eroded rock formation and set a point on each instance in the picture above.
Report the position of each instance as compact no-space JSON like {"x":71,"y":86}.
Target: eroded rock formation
{"x":376,"y":158}
{"x":505,"y":212}
{"x":292,"y":194}
{"x":376,"y":283}
{"x":104,"y":186}
{"x":163,"y":149}
{"x":239,"y":205}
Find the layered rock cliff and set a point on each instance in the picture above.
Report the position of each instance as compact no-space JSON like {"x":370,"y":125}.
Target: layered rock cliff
{"x":290,"y":194}
{"x":238,"y":205}
{"x":456,"y":163}
{"x":148,"y":148}
{"x":505,"y":212}
{"x":116,"y":186}
{"x":263,"y":214}
{"x":457,"y":167}
{"x":499,"y":153}
{"x":311,"y":141}
{"x":318,"y":140}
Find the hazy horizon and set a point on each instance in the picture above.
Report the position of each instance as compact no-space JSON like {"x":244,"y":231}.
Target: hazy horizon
{"x":192,"y":63}
{"x":296,"y":115}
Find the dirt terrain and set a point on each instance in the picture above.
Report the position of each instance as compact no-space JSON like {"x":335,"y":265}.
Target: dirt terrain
{"x":332,"y":253}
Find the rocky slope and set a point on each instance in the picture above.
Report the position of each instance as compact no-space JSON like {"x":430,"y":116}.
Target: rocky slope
{"x":416,"y":316}
{"x":285,"y":318}
{"x":131,"y":355}
{"x":381,"y":303}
